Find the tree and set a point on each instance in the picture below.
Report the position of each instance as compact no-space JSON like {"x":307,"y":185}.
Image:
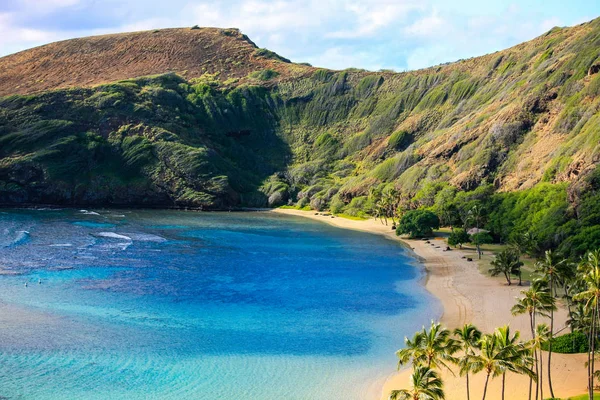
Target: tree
{"x":418,"y":223}
{"x":481,"y":238}
{"x":458,"y":237}
{"x":426,"y":385}
{"x":551,"y":267}
{"x":537,"y":300}
{"x":541,"y":337}
{"x":490,"y":360}
{"x":468,"y":339}
{"x":507,"y":262}
{"x":515,"y":353}
{"x":433,"y":348}
{"x":590,"y":267}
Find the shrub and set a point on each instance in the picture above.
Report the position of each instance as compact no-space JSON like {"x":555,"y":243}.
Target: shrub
{"x":266,"y":53}
{"x":264,"y":75}
{"x":481,"y":238}
{"x":195,"y":27}
{"x":418,"y":223}
{"x":569,"y":343}
{"x":399,"y":140}
{"x":458,"y":237}
{"x":337,"y":205}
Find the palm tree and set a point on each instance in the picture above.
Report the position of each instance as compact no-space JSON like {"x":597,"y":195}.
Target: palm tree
{"x":433,"y":348}
{"x":507,"y":262}
{"x":537,"y":300}
{"x":515,"y":353}
{"x":551,"y":268}
{"x":490,"y":360}
{"x":580,"y":319}
{"x":468,"y":339}
{"x":426,"y":385}
{"x":569,"y":281}
{"x":590,"y":267}
{"x":412,"y":350}
{"x":542,"y":336}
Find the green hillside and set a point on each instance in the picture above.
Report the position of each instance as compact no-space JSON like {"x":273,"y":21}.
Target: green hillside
{"x":515,"y":130}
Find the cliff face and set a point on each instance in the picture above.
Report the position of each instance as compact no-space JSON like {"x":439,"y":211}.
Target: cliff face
{"x":228,"y":124}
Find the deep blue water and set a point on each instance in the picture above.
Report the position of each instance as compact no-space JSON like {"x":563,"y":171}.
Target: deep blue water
{"x":183,"y":305}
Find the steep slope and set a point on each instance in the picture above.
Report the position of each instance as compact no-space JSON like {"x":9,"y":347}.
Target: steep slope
{"x":102,"y":59}
{"x":240,"y":126}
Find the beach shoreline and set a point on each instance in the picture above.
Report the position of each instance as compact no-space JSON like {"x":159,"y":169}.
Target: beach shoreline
{"x":468,"y":296}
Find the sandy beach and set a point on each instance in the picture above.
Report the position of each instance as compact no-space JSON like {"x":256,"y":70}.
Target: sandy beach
{"x":467,"y":295}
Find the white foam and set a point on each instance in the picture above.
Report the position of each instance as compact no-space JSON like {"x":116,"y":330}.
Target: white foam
{"x":21,"y":237}
{"x":112,"y":235}
{"x":86,"y":212}
{"x":146,"y":237}
{"x":61,"y":245}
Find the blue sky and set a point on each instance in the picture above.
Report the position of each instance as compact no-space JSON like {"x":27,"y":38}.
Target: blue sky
{"x":371,"y":34}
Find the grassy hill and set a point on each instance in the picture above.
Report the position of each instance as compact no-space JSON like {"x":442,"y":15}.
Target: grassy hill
{"x":222,"y":123}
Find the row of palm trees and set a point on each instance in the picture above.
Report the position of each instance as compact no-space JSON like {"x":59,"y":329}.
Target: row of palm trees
{"x":467,"y":348}
{"x":500,"y":352}
{"x":580,"y":286}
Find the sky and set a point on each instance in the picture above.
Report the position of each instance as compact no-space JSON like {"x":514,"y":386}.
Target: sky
{"x":371,"y":34}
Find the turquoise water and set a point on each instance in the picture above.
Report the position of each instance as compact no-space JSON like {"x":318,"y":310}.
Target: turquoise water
{"x":182,"y":305}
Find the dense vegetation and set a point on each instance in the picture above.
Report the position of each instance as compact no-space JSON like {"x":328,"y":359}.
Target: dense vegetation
{"x":505,"y":142}
{"x":149,"y":141}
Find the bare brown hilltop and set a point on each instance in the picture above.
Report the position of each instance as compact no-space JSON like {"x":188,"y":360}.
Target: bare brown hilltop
{"x":108,"y":58}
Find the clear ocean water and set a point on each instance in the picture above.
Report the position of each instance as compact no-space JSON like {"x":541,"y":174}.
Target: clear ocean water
{"x":142,"y":304}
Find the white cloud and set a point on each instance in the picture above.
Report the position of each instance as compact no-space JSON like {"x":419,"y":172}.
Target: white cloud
{"x":256,"y":15}
{"x":550,"y":23}
{"x":45,"y":6}
{"x":343,"y":57}
{"x":14,"y":37}
{"x":373,"y":16}
{"x":428,"y":26}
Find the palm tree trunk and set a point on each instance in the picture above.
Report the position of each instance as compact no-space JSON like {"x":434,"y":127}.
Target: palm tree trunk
{"x":550,"y":342}
{"x":541,"y":378}
{"x":533,"y":337}
{"x":487,"y":378}
{"x":568,"y":297}
{"x":590,"y":353}
{"x":594,"y":347}
{"x":535,"y":359}
{"x":468,"y":393}
{"x":503,"y":383}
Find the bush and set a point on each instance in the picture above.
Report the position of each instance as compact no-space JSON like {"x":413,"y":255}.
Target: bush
{"x":266,"y":53}
{"x":264,"y":75}
{"x":481,"y":238}
{"x":458,"y":237}
{"x":418,"y":223}
{"x":337,"y":205}
{"x":569,"y":343}
{"x":399,"y":140}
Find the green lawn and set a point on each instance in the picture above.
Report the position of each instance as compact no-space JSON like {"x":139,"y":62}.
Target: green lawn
{"x":489,"y":251}
{"x":352,"y":217}
{"x":584,"y":397}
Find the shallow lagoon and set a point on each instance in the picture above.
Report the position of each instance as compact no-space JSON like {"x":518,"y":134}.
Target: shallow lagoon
{"x":140,"y":304}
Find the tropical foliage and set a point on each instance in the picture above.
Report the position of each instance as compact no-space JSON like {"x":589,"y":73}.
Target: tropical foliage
{"x":418,"y":223}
